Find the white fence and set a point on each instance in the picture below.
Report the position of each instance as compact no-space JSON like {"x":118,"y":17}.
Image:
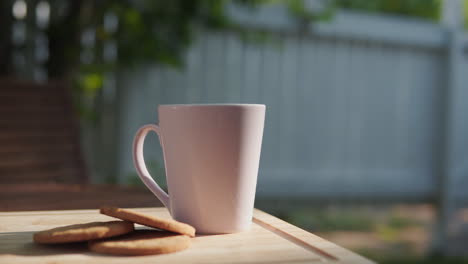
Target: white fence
{"x":359,"y":107}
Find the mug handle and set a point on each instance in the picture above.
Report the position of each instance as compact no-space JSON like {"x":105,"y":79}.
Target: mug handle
{"x":139,"y":162}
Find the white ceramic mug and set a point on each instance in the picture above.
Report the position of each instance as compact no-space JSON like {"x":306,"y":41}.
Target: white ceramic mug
{"x":211,"y":154}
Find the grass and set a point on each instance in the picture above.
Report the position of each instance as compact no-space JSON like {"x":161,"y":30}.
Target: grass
{"x":324,"y":222}
{"x":423,"y":260}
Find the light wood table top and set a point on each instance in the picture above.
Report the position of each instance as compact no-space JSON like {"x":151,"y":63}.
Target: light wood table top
{"x":270,"y":240}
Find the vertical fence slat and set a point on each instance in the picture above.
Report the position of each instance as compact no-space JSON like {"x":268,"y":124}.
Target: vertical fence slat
{"x":234,"y":65}
{"x":288,"y":102}
{"x":194,"y":71}
{"x":271,"y":86}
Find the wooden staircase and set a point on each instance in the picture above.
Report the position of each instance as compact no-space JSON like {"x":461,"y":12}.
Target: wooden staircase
{"x":39,"y":140}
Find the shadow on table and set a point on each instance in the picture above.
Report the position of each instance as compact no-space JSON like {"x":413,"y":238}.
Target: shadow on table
{"x":21,"y":244}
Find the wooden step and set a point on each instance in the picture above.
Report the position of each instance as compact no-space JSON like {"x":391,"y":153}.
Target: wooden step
{"x":14,"y":83}
{"x":12,"y":108}
{"x":44,"y":148}
{"x":31,"y":159}
{"x":38,"y":166}
{"x":25,"y":90}
{"x":62,"y":175}
{"x":29,"y":156}
{"x":27,"y":134}
{"x":39,"y":129}
{"x":36,"y":124}
{"x":27,"y":97}
{"x":31,"y":121}
{"x":36,"y":114}
{"x":45,"y":161}
{"x":41,"y":141}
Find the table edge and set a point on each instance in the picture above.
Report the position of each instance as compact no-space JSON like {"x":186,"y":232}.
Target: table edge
{"x":300,"y":237}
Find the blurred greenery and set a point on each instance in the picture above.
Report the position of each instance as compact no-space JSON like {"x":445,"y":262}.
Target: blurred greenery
{"x":425,"y":260}
{"x":319,"y":220}
{"x":145,"y":31}
{"x":381,"y":258}
{"x":427,"y":9}
{"x":465,"y":12}
{"x":156,"y":32}
{"x":159,"y":32}
{"x":344,"y":218}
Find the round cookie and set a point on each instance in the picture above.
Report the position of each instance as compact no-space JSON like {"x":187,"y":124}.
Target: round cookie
{"x":149,"y":220}
{"x":141,"y":242}
{"x":83,"y":232}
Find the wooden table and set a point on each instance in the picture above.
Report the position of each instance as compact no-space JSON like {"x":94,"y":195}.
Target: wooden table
{"x":270,"y":240}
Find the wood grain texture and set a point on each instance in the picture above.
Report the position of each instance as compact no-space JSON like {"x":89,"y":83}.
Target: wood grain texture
{"x":270,"y":240}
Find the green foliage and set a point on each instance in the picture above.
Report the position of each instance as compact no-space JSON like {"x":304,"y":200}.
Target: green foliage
{"x":91,"y":83}
{"x":315,"y":220}
{"x":465,"y":12}
{"x":427,"y":9}
{"x":156,"y":31}
{"x":143,"y":31}
{"x":299,"y":10}
{"x":159,"y":31}
{"x":382,"y":259}
{"x":397,"y":222}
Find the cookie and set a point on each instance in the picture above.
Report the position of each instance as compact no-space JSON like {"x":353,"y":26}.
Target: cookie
{"x":83,"y":232}
{"x":149,"y":220}
{"x":141,"y":242}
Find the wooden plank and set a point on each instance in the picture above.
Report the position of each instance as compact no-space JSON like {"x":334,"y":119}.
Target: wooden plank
{"x":288,"y":94}
{"x":194,"y":71}
{"x":214,"y":65}
{"x":28,"y":96}
{"x":42,"y":176}
{"x":316,"y":98}
{"x":33,"y":160}
{"x":234,"y":52}
{"x":31,"y":135}
{"x":338,"y":113}
{"x":402,"y":100}
{"x":271,"y":86}
{"x":32,"y":114}
{"x":32,"y":107}
{"x":252,"y":77}
{"x":306,"y":67}
{"x":32,"y":138}
{"x":44,"y":149}
{"x":355,"y":110}
{"x":269,"y":240}
{"x":324,"y":87}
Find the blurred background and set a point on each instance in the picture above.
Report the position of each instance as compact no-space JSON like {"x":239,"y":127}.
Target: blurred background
{"x":366,"y":138}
